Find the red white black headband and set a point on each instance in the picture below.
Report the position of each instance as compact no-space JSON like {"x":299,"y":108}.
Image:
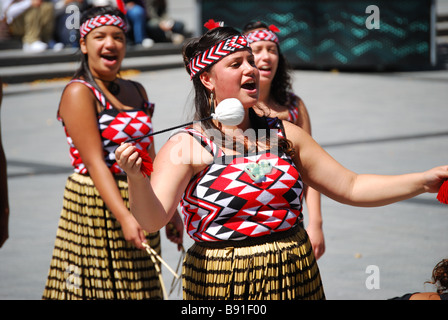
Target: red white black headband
{"x":100,"y":21}
{"x":263,"y":35}
{"x":216,"y":52}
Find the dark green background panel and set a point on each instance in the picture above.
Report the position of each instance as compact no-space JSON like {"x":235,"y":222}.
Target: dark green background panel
{"x":333,"y":34}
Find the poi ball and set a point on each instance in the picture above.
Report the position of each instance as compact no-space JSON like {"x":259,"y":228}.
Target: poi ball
{"x":229,"y":112}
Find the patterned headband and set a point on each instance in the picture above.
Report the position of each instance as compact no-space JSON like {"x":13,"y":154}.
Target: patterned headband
{"x":216,"y":53}
{"x":262,"y":35}
{"x":99,"y":21}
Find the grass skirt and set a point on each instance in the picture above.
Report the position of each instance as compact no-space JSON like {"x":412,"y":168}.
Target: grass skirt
{"x":282,"y":269}
{"x":91,"y":258}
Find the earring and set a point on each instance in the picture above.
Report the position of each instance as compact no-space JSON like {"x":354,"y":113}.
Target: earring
{"x":212,"y":103}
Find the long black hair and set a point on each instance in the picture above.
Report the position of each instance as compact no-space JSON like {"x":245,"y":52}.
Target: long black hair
{"x":281,"y":84}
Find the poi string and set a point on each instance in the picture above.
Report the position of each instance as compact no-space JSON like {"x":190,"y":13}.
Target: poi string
{"x":179,"y":264}
{"x":229,"y":112}
{"x":154,"y":255}
{"x":180,"y":247}
{"x":168,"y":129}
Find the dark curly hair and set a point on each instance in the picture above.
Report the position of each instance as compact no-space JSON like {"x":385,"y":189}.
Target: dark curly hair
{"x":282,"y":83}
{"x":440,"y":276}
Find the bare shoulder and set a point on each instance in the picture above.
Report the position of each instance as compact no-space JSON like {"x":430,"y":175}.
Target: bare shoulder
{"x":306,"y":148}
{"x":77,"y":98}
{"x":293,"y":131}
{"x":425,"y":296}
{"x":77,"y":91}
{"x":76,"y":88}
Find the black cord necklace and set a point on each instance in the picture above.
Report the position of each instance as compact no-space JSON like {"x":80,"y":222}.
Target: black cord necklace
{"x":113,"y":87}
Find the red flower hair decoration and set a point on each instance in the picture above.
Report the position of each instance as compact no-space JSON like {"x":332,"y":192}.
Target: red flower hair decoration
{"x":273,"y":28}
{"x":212,"y":24}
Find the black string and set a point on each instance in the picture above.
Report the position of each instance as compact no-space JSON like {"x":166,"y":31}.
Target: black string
{"x":169,"y":129}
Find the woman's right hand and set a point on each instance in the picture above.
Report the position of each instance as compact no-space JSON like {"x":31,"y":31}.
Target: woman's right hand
{"x":129,"y":160}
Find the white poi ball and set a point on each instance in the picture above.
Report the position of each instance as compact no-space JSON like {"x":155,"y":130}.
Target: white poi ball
{"x":229,"y":112}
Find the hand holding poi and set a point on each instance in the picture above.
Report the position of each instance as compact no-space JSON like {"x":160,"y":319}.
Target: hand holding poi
{"x":229,"y":112}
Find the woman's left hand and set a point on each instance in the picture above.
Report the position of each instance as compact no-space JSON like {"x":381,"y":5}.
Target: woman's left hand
{"x":434,"y":178}
{"x":175,"y":230}
{"x":316,"y":235}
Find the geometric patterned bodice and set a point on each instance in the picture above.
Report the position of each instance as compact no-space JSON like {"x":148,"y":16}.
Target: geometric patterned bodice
{"x":115,"y":127}
{"x":225,"y":202}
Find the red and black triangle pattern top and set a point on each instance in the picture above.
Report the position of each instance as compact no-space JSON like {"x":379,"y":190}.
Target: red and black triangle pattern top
{"x":223,"y":202}
{"x":115,"y":127}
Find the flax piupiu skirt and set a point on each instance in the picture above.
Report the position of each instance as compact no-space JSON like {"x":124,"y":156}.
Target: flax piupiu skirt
{"x":91,"y":259}
{"x":276,"y":268}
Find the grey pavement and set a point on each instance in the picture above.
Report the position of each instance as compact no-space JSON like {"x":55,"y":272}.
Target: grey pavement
{"x":387,"y":123}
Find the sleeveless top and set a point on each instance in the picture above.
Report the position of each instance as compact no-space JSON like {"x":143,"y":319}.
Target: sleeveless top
{"x":293,"y":108}
{"x":223,"y":202}
{"x":114,"y":127}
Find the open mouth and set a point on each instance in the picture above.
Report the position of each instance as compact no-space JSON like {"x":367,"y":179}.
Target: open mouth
{"x":251,"y":85}
{"x":109,"y":57}
{"x":265,"y":68}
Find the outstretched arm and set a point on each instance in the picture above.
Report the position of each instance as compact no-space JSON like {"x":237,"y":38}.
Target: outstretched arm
{"x":325,"y":174}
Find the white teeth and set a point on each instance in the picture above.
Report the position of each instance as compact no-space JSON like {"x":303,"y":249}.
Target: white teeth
{"x":265,"y":68}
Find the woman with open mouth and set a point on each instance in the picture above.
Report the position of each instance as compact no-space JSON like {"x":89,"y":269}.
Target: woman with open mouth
{"x":242,"y":201}
{"x":276,"y":99}
{"x":99,"y":248}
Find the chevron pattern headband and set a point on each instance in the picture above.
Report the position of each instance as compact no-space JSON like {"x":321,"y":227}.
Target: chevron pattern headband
{"x":216,"y":53}
{"x":262,"y":35}
{"x":99,"y":21}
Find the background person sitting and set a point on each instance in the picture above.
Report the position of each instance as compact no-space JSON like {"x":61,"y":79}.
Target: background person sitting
{"x":32,"y":20}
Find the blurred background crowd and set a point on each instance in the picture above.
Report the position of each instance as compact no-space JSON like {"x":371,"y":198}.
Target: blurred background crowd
{"x":53,"y":24}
